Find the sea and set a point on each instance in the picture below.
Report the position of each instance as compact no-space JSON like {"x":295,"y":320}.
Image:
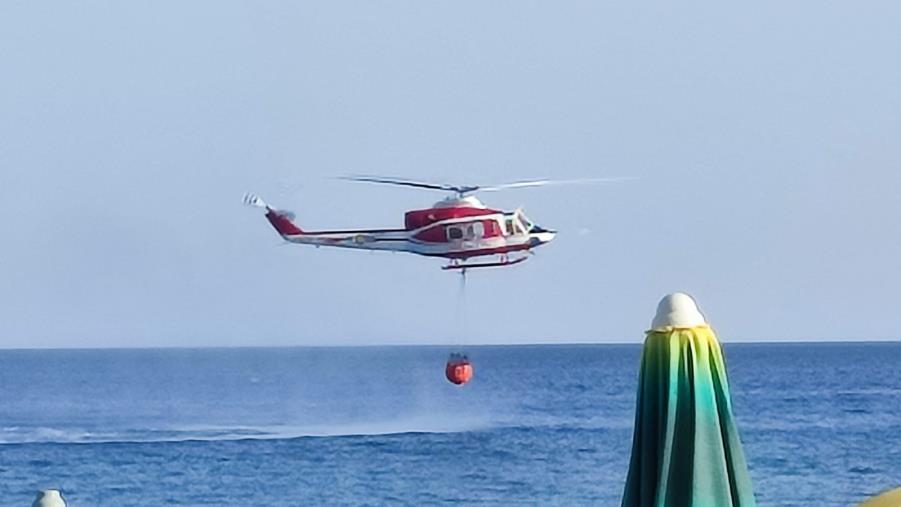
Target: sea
{"x":538,"y":425}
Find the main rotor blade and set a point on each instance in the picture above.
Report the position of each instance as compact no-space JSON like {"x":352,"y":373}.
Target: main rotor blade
{"x":542,"y":183}
{"x":411,"y":183}
{"x":462,"y":190}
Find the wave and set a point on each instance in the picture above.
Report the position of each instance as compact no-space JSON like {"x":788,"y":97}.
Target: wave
{"x":32,"y":435}
{"x":12,"y":435}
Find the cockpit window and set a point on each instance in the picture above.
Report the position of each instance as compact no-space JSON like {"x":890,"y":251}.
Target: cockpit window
{"x":526,"y":223}
{"x":517,"y":223}
{"x":454,"y":233}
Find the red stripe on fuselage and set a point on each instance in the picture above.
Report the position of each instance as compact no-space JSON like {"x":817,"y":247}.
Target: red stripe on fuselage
{"x":417,"y":219}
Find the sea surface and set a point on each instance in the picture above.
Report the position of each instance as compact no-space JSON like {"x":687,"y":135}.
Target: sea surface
{"x":538,"y":425}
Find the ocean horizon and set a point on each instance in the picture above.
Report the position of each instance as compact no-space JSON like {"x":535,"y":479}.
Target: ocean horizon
{"x":451,"y":345}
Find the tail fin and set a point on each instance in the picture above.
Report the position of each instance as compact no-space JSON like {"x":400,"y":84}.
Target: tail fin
{"x":282,"y":221}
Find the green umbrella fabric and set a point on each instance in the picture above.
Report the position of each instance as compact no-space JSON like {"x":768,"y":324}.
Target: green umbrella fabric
{"x":685,"y":447}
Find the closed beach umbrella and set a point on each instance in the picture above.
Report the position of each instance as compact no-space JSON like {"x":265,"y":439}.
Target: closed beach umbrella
{"x":685,"y":446}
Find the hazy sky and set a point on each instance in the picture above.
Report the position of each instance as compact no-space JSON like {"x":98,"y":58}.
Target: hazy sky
{"x":765,"y":136}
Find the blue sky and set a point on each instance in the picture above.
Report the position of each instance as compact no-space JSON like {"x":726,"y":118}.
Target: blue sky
{"x":765,"y":140}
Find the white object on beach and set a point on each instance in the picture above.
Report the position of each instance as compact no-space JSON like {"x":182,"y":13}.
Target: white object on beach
{"x":49,"y":498}
{"x":677,"y":311}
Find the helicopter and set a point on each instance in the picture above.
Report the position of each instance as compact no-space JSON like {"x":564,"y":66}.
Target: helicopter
{"x":457,"y":228}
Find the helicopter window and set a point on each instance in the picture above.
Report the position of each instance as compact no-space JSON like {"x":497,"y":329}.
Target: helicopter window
{"x":475,"y":230}
{"x":525,"y":222}
{"x":454,"y":233}
{"x":518,"y":227}
{"x":510,"y":226}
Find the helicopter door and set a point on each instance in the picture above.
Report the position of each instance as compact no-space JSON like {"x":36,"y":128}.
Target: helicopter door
{"x":472,"y":234}
{"x":473,"y":231}
{"x":468,"y":235}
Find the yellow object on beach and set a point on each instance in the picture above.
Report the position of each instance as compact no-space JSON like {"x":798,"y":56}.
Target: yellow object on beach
{"x":888,"y":499}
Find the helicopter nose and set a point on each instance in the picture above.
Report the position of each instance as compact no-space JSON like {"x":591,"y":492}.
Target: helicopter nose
{"x":541,"y":235}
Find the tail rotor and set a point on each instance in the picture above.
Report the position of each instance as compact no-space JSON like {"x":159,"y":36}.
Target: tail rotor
{"x":253,"y":201}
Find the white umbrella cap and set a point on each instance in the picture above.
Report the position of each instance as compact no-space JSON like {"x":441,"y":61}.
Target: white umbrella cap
{"x":49,"y":498}
{"x":677,"y":310}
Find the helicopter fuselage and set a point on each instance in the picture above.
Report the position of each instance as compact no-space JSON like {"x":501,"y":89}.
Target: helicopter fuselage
{"x":455,"y":228}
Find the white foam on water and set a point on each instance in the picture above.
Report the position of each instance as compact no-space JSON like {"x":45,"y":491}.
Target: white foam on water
{"x":415,"y":424}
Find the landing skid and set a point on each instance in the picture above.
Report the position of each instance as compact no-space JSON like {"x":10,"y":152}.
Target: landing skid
{"x":495,"y":264}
